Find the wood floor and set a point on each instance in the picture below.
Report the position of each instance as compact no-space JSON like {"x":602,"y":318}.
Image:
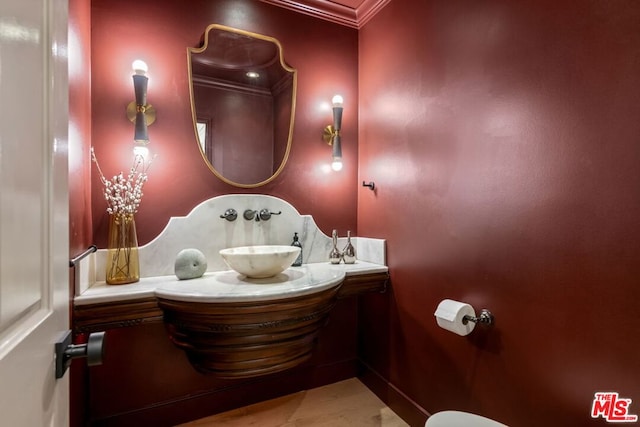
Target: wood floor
{"x":343,"y":404}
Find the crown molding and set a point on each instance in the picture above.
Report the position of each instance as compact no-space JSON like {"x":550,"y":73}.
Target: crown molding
{"x":368,"y":10}
{"x":334,"y":12}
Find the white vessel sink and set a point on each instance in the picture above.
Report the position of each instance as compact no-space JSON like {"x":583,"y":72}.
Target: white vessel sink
{"x":260,"y":261}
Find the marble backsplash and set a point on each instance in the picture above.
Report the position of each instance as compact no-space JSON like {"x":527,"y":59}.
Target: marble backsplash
{"x":205,"y":230}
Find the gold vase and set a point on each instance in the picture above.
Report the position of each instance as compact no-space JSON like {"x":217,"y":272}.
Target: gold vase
{"x":123,"y":264}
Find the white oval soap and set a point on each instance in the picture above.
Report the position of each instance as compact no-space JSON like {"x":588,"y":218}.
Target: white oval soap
{"x":190,"y":264}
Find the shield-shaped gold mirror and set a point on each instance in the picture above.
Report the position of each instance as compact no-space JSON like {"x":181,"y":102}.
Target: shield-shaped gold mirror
{"x":243,"y":97}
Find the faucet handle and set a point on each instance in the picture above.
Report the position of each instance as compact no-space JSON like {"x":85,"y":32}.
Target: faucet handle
{"x":249,"y":214}
{"x":230,"y":215}
{"x":265,"y":214}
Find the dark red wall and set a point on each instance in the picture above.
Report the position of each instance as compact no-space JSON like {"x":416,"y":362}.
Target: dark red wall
{"x":504,"y":140}
{"x":159,"y":33}
{"x":80,"y":224}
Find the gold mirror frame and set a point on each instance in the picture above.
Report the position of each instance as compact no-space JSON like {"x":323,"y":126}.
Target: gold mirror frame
{"x":287,"y":68}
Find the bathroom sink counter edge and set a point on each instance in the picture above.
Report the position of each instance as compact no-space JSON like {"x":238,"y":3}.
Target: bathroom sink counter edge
{"x":230,"y":286}
{"x":190,"y":290}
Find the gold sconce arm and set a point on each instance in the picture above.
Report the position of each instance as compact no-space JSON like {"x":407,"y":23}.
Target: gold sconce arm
{"x":329,"y":134}
{"x":148,"y":110}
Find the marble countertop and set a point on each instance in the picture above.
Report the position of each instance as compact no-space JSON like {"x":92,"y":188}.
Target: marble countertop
{"x":228,"y":285}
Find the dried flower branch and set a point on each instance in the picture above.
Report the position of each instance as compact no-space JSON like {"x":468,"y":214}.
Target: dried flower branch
{"x":123,"y":195}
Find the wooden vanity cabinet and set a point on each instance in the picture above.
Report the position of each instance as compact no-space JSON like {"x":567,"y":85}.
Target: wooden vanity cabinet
{"x":146,"y":380}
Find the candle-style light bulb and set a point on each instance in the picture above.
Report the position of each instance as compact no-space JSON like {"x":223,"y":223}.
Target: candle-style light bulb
{"x":337,"y":101}
{"x":139,"y":67}
{"x":141,"y":150}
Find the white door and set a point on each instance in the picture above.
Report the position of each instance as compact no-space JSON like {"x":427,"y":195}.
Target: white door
{"x":34,"y":259}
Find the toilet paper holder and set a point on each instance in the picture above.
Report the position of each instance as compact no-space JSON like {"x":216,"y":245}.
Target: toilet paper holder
{"x":485,"y":318}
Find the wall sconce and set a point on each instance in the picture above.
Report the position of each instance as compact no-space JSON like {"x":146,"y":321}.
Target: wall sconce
{"x":331,"y":133}
{"x":138,"y":111}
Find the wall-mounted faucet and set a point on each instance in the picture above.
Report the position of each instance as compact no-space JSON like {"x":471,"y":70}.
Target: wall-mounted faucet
{"x":230,"y":215}
{"x":250,"y":214}
{"x":265,"y":214}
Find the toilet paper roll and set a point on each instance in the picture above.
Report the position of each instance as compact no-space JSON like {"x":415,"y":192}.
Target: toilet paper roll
{"x":450,"y":313}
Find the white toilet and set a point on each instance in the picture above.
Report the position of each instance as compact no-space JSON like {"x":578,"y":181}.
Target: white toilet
{"x":460,"y":419}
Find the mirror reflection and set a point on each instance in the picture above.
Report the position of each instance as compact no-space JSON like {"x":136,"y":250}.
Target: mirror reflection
{"x":243,"y":104}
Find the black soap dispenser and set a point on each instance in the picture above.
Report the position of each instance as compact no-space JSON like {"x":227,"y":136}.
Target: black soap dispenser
{"x":296,"y":242}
